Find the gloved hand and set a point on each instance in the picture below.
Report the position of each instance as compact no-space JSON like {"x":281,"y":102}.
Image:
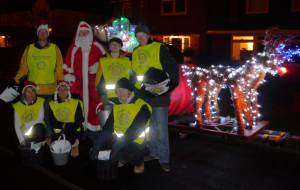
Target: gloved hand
{"x":70,"y":78}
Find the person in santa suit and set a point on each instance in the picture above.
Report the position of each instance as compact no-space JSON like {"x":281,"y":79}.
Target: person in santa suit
{"x":80,"y":67}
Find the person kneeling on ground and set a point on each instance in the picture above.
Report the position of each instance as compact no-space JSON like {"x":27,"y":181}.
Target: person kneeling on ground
{"x":126,"y":128}
{"x":29,"y":116}
{"x":64,"y":116}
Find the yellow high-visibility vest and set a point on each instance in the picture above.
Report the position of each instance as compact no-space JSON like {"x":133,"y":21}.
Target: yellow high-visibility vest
{"x":124,"y":115}
{"x":29,"y":113}
{"x":65,"y":111}
{"x":145,"y":57}
{"x":41,"y":64}
{"x":113,"y":70}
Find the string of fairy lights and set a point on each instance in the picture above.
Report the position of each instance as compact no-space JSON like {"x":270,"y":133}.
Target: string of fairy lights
{"x":243,"y":82}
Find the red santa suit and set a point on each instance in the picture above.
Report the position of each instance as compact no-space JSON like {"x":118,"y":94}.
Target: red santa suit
{"x":80,"y":69}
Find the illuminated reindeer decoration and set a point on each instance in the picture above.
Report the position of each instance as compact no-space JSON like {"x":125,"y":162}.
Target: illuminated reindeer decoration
{"x":243,"y":83}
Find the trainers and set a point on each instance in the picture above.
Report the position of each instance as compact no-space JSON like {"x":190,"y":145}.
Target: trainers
{"x":74,"y":151}
{"x":165,"y":167}
{"x":139,"y":169}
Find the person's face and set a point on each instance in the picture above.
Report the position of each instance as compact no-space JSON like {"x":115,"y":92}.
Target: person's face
{"x":114,"y":47}
{"x":84,"y":33}
{"x":123,"y":94}
{"x":43,"y":35}
{"x":142,"y":38}
{"x":29,"y":94}
{"x":63,"y":93}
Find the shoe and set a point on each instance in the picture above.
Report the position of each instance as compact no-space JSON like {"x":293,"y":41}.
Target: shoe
{"x":139,"y":169}
{"x":74,"y":151}
{"x":121,"y":164}
{"x":165,"y":167}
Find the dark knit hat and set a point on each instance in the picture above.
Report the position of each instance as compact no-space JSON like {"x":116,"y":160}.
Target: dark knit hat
{"x":124,"y":83}
{"x":142,"y":28}
{"x":116,"y":39}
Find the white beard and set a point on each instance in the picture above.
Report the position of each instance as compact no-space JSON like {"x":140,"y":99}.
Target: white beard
{"x":84,"y":43}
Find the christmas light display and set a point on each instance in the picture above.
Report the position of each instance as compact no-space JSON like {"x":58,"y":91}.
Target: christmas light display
{"x":243,"y":83}
{"x":120,"y":28}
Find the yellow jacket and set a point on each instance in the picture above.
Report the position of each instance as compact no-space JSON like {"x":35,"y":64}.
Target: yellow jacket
{"x":43,"y":89}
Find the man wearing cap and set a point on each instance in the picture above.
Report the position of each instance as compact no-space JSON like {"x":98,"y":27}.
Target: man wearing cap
{"x":29,"y":116}
{"x":80,"y":67}
{"x":126,"y":129}
{"x":114,"y":66}
{"x":41,"y":62}
{"x":155,"y":56}
{"x":64,"y":115}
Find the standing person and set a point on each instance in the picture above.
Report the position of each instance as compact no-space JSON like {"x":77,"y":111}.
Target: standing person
{"x":29,"y":116}
{"x":41,"y":62}
{"x":64,"y":115}
{"x":126,"y":128}
{"x":80,"y":67}
{"x":153,"y":56}
{"x":114,"y":66}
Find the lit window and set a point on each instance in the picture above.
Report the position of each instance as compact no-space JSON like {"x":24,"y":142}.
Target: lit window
{"x":257,"y":6}
{"x":242,"y":47}
{"x":3,"y":41}
{"x":181,"y":42}
{"x":295,"y":5}
{"x":173,"y":7}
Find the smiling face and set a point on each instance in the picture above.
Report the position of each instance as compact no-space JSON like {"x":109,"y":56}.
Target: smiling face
{"x":123,"y":94}
{"x":43,"y":35}
{"x":63,"y":92}
{"x":29,"y":95}
{"x":142,"y":38}
{"x":114,"y":47}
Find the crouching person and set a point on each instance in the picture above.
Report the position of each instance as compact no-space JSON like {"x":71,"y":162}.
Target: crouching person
{"x":29,"y":119}
{"x":65,"y":116}
{"x":126,"y":128}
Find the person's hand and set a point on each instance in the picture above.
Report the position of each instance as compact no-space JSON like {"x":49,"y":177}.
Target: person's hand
{"x":48,"y":141}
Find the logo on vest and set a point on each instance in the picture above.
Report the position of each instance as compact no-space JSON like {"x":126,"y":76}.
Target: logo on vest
{"x":124,"y":118}
{"x":143,"y":57}
{"x":41,"y":65}
{"x":116,"y":69}
{"x":62,"y":114}
{"x":28,"y":116}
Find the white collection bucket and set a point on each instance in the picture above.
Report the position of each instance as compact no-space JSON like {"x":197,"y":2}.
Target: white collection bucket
{"x":60,"y":150}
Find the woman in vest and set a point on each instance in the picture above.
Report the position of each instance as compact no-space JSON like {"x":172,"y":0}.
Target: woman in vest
{"x":126,"y":128}
{"x":64,"y":115}
{"x":112,"y":68}
{"x":29,"y":116}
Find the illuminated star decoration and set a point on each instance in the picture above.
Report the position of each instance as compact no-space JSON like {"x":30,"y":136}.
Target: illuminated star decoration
{"x":122,"y":29}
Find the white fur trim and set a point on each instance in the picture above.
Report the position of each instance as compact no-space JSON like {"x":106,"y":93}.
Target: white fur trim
{"x":85,"y":84}
{"x":74,"y":50}
{"x":42,"y":27}
{"x":68,"y":69}
{"x":92,"y":127}
{"x":94,"y":68}
{"x":69,"y":78}
{"x":98,"y":45}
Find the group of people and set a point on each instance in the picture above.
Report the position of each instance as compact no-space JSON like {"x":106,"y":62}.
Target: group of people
{"x":121,"y":103}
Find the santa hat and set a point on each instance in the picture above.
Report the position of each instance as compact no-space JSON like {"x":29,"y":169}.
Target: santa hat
{"x":84,"y":26}
{"x":28,"y":84}
{"x":62,"y":83}
{"x":42,"y":27}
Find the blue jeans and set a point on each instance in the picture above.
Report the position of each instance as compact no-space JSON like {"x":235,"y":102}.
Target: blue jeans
{"x":159,"y":135}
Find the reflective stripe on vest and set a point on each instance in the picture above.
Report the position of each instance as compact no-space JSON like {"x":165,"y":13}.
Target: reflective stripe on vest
{"x":65,"y":111}
{"x":41,"y":64}
{"x":124,"y":115}
{"x":143,"y":58}
{"x":113,"y":70}
{"x":29,"y":113}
